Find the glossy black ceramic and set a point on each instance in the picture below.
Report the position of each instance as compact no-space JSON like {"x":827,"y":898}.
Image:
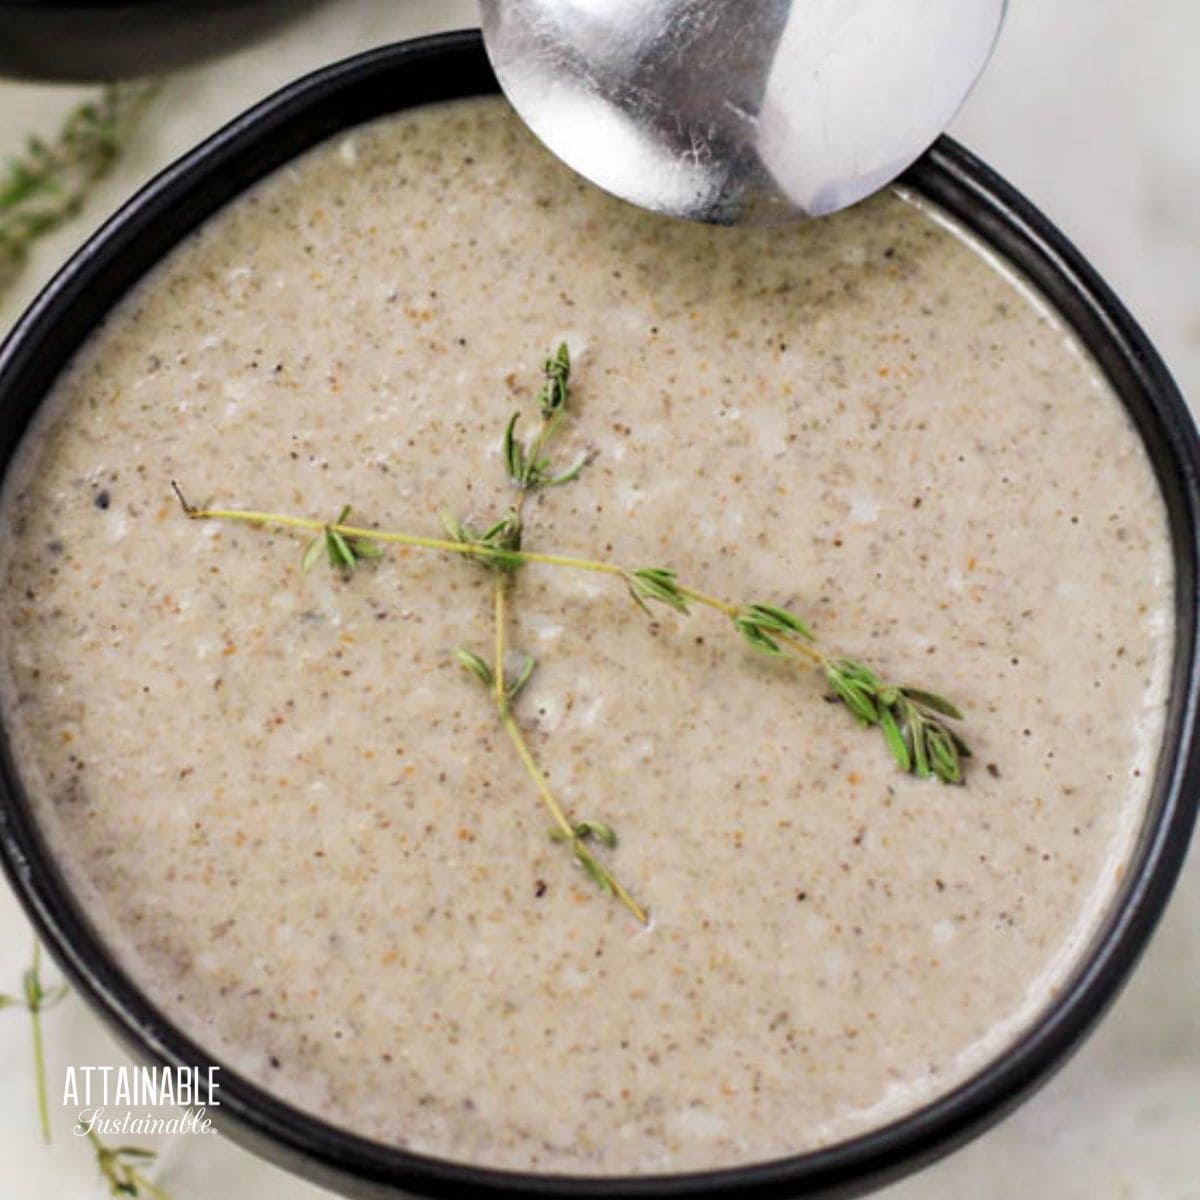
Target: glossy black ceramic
{"x":451,"y":66}
{"x":117,"y":39}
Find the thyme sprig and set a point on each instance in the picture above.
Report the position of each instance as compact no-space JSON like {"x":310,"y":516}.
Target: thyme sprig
{"x":121,"y":1167}
{"x":37,"y":998}
{"x":912,"y":721}
{"x":527,"y":467}
{"x":49,"y":183}
{"x":116,"y":1163}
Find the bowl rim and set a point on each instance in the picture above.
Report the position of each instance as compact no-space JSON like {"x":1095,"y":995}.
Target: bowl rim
{"x":454,"y":65}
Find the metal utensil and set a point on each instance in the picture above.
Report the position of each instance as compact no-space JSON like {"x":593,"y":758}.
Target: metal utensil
{"x":739,"y":111}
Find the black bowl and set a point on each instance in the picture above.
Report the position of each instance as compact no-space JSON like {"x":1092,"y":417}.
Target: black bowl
{"x":115,"y":39}
{"x":452,"y":66}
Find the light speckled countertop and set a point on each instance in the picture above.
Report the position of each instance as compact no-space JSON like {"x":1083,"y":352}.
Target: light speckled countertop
{"x":1092,"y":107}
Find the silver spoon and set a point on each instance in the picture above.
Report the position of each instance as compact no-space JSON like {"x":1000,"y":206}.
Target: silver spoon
{"x":739,"y":111}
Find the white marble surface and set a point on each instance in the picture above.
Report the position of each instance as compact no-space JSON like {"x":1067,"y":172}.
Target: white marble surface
{"x":1092,"y":107}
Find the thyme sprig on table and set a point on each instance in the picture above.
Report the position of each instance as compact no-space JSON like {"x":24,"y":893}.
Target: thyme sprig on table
{"x":122,"y":1166}
{"x":913,"y":721}
{"x":37,"y":998}
{"x":119,"y":1165}
{"x":49,"y":182}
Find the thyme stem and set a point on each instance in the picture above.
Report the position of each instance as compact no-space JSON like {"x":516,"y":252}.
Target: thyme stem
{"x":500,"y":619}
{"x":528,"y":470}
{"x":471,"y":550}
{"x":39,"y":1054}
{"x":722,"y":606}
{"x":569,"y":833}
{"x":802,"y":649}
{"x":417,"y":541}
{"x":34,"y":998}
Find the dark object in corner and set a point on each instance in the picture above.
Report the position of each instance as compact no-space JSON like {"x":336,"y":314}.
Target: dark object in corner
{"x":114,"y":39}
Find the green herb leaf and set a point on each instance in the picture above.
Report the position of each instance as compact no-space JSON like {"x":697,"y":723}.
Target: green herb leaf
{"x":964,"y":751}
{"x":603,"y":833}
{"x":853,"y":695}
{"x":939,"y":704}
{"x":312,"y":554}
{"x":859,"y":675}
{"x":54,"y":995}
{"x":514,"y":452}
{"x":554,"y":394}
{"x":571,"y":473}
{"x":340,"y":553}
{"x":894,"y":739}
{"x":501,"y":541}
{"x":656,"y":583}
{"x":522,"y":676}
{"x":473,"y":663}
{"x":32,"y":985}
{"x":456,"y":531}
{"x":599,"y":876}
{"x":756,"y":637}
{"x":776,"y":620}
{"x":119,"y":1165}
{"x":916,"y":733}
{"x":942,"y":755}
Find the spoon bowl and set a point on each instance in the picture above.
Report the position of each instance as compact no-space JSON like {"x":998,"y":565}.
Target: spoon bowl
{"x":739,"y":113}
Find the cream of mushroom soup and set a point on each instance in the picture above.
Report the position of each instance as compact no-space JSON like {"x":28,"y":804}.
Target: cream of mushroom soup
{"x":297,"y":820}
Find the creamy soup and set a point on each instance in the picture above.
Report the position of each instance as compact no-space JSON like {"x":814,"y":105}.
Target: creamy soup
{"x":297,"y":820}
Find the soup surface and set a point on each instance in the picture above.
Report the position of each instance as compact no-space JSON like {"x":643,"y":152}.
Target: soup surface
{"x":297,"y":819}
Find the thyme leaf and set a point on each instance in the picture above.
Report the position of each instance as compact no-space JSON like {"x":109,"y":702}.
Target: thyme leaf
{"x":656,"y":583}
{"x":344,"y":552}
{"x":475,"y":665}
{"x":515,"y":686}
